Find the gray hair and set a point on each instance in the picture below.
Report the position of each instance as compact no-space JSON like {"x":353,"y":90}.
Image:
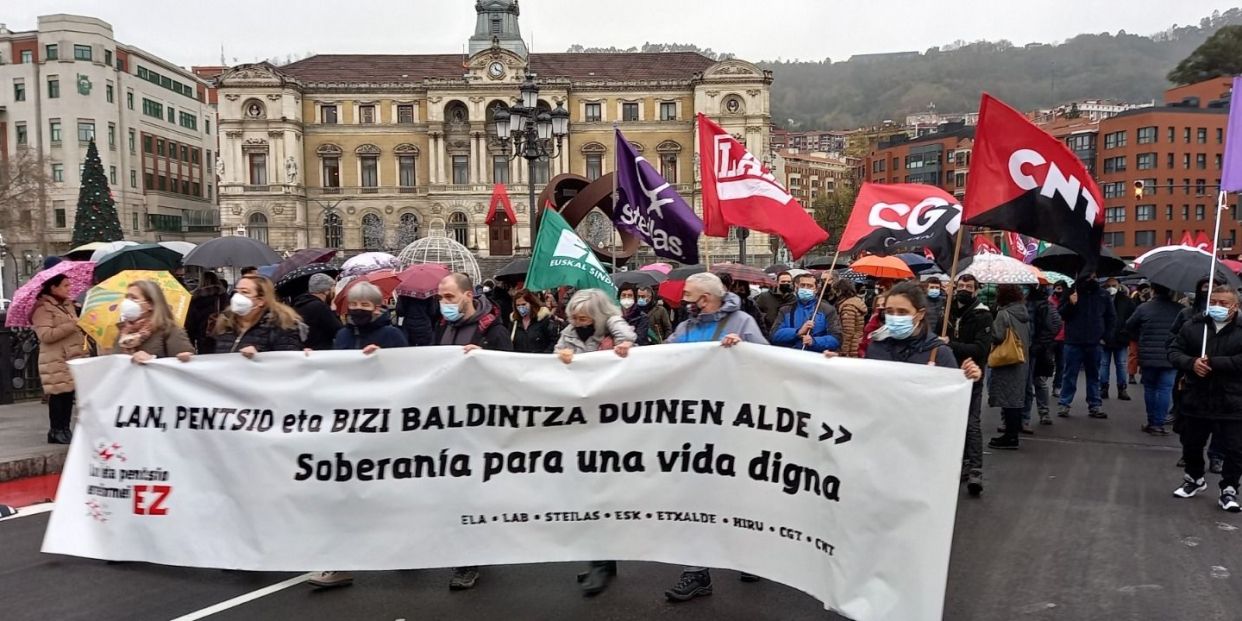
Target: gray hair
{"x":594,"y":303}
{"x":366,"y":292}
{"x":709,"y":283}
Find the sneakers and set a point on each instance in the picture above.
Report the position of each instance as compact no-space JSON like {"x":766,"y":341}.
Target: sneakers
{"x":1027,"y":430}
{"x":691,"y":585}
{"x":463,"y":578}
{"x":974,"y":484}
{"x":331,"y":579}
{"x":1003,"y":443}
{"x":1216,"y":465}
{"x":1190,"y":487}
{"x":1229,"y":500}
{"x":1056,"y":393}
{"x":1097,"y":413}
{"x":1122,"y":395}
{"x":1155,"y":430}
{"x":1063,"y":411}
{"x":1044,"y":419}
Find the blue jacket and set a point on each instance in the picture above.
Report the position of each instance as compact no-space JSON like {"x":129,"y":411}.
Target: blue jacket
{"x":730,"y":319}
{"x":825,"y":335}
{"x":379,"y":332}
{"x":1091,"y":318}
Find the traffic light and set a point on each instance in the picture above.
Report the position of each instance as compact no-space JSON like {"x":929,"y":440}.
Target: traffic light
{"x":1138,"y":189}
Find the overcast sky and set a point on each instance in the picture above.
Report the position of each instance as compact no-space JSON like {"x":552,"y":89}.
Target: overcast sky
{"x":191,"y":33}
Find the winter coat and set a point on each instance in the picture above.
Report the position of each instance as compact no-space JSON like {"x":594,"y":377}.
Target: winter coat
{"x":825,"y":333}
{"x":1116,"y":338}
{"x":770,"y":302}
{"x":171,"y":341}
{"x":853,"y":315}
{"x":917,"y":349}
{"x":1091,"y":318}
{"x":200,"y":320}
{"x":379,"y":332}
{"x":709,"y":327}
{"x":640,"y":320}
{"x":60,"y":340}
{"x":1151,"y":325}
{"x":615,"y":328}
{"x":751,"y":308}
{"x":322,"y":324}
{"x":264,"y":335}
{"x":1007,"y":387}
{"x":1045,"y":325}
{"x":537,"y":338}
{"x":418,"y":318}
{"x":935,"y":314}
{"x":482,"y":328}
{"x":660,"y":321}
{"x":1219,"y":395}
{"x":970,"y":332}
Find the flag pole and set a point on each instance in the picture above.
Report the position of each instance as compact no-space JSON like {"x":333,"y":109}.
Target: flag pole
{"x":824,"y":289}
{"x":616,"y":166}
{"x":957,"y":253}
{"x":1220,"y":206}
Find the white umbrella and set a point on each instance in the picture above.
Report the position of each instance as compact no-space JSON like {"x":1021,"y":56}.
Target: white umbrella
{"x":180,"y":247}
{"x":368,"y":262}
{"x":110,"y":248}
{"x":999,"y":269}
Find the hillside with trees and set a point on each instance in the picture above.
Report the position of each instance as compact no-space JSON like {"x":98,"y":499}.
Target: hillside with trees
{"x":867,"y":90}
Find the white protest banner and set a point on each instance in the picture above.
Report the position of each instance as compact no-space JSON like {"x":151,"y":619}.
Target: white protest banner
{"x":837,"y":477}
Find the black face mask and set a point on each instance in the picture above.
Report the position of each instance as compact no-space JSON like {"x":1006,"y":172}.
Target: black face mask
{"x":584,"y":332}
{"x":964,"y":298}
{"x":692,"y":309}
{"x":360,"y":316}
{"x":785,"y":288}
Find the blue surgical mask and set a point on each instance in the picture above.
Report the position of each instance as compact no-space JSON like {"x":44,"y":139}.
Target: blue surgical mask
{"x":1218,"y":313}
{"x":900,"y":326}
{"x":523,"y":310}
{"x":933,"y":294}
{"x":643,"y":303}
{"x":806,"y":295}
{"x":450,"y":312}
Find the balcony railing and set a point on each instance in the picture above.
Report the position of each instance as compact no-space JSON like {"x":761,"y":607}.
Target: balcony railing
{"x":357,"y":190}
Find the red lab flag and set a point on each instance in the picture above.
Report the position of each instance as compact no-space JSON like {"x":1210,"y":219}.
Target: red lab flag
{"x":1024,"y":180}
{"x":1188,"y":239}
{"x":1203,"y":242}
{"x":983,"y":245}
{"x":739,"y":191}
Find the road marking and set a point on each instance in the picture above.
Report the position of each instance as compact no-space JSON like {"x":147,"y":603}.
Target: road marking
{"x":42,"y":507}
{"x":242,"y":599}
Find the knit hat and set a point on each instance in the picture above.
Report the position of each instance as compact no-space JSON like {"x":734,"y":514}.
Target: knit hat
{"x":320,"y":283}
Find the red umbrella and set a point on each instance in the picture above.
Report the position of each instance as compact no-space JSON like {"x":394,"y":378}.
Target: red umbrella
{"x":386,"y":280}
{"x":671,"y":291}
{"x":740,"y":271}
{"x":422,"y":280}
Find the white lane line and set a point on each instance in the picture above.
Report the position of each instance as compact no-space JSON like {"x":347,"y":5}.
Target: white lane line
{"x":242,"y":599}
{"x":42,"y":507}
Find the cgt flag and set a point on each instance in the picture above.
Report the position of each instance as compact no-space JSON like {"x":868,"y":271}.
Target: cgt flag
{"x":652,"y":210}
{"x":739,"y":191}
{"x":561,"y":258}
{"x":1024,"y":180}
{"x":903,"y":217}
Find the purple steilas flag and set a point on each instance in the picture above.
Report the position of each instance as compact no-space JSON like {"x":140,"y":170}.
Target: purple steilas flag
{"x":1231,"y":175}
{"x":651,"y":209}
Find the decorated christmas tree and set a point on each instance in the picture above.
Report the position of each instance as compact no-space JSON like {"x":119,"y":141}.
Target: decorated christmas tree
{"x":96,"y":219}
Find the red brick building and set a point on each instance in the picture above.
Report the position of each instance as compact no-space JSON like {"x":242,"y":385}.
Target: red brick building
{"x":941,"y":159}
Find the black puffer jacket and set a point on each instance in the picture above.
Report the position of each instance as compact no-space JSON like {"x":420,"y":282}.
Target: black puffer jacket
{"x":1150,"y":325}
{"x":916,"y":350}
{"x":1219,"y":395}
{"x":265,"y":335}
{"x":322,"y":324}
{"x":970,"y":332}
{"x":1117,"y":338}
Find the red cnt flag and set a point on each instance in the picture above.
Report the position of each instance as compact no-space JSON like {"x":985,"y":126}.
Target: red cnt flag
{"x":983,"y":245}
{"x":1022,"y":179}
{"x":1188,"y":239}
{"x":1203,"y":242}
{"x":739,"y":191}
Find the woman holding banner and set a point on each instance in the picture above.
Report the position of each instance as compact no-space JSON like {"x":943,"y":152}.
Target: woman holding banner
{"x":906,"y":335}
{"x":147,"y":329}
{"x":256,"y":321}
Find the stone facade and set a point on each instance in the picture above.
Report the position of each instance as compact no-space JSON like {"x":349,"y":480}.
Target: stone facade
{"x":368,"y":152}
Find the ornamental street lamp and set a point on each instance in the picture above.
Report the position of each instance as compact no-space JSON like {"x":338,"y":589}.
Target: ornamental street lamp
{"x":533,"y":134}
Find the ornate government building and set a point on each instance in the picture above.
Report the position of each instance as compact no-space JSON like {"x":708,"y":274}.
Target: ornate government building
{"x":369,"y":152}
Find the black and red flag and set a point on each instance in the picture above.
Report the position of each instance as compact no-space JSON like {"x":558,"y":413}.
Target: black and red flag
{"x":1024,"y":180}
{"x":890,"y":219}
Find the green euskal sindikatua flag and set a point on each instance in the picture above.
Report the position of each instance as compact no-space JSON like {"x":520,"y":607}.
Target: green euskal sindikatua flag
{"x":561,"y":258}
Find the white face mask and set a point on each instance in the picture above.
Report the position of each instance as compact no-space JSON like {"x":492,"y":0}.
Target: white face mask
{"x":1112,"y":291}
{"x":240,"y":304}
{"x":130,"y":310}
{"x":626,"y":303}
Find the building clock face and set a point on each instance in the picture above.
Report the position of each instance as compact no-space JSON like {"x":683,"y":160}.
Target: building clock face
{"x":496,"y":69}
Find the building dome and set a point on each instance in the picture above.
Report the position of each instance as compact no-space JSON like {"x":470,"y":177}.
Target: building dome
{"x":438,"y":248}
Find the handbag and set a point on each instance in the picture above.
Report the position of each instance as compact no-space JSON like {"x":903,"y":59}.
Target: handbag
{"x":1009,"y":352}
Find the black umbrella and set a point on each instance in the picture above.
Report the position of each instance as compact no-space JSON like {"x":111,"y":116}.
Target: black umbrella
{"x":233,"y":251}
{"x":1180,"y":268}
{"x":296,"y":282}
{"x":638,"y":279}
{"x":824,"y":262}
{"x":306,"y":256}
{"x":514,"y":270}
{"x":777,"y":268}
{"x":685,"y":271}
{"x":137,"y":257}
{"x":1070,"y":263}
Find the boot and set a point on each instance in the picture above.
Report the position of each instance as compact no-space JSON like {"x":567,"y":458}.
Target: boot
{"x":59,"y":436}
{"x":691,"y":585}
{"x":595,"y":579}
{"x":1122,"y":395}
{"x":1104,"y":391}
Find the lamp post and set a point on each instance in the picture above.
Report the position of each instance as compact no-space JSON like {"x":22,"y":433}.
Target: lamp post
{"x":533,"y":134}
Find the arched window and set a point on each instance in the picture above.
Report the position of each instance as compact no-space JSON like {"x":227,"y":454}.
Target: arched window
{"x":407,"y":230}
{"x":668,"y":151}
{"x":256,"y":227}
{"x":372,"y":232}
{"x":459,"y":228}
{"x":333,"y":232}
